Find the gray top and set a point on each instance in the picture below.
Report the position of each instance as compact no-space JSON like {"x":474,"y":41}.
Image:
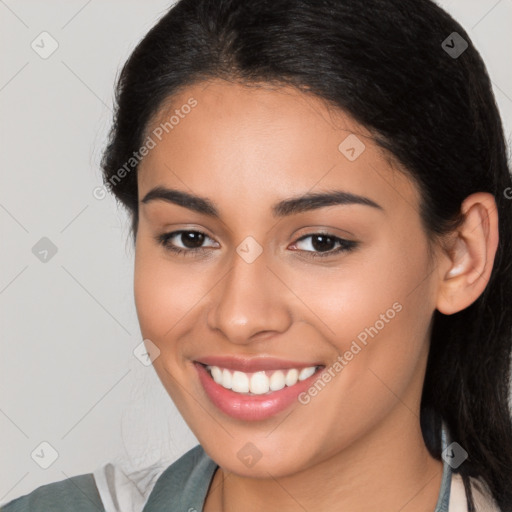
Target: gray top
{"x":182,"y":487}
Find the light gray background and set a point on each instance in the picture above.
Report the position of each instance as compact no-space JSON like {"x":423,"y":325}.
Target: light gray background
{"x":68,"y":375}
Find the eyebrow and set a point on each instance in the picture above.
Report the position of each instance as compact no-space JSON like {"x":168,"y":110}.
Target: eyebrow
{"x":286,"y":207}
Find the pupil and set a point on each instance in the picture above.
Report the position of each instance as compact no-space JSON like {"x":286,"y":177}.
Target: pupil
{"x":192,"y":240}
{"x":325,"y":244}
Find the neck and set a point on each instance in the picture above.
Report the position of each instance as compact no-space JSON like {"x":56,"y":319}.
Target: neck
{"x":388,"y":469}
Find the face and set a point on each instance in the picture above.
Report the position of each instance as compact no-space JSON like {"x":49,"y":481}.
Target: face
{"x":269,"y":286}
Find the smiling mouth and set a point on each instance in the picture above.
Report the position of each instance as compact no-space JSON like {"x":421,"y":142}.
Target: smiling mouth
{"x":262,"y":382}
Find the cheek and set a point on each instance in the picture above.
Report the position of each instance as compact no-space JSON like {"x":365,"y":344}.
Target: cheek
{"x":166,"y":299}
{"x":375,"y":315}
{"x":354,"y":295}
{"x":165,"y":292}
{"x":377,"y":307}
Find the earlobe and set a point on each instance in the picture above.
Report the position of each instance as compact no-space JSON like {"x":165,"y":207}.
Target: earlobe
{"x":470,"y":256}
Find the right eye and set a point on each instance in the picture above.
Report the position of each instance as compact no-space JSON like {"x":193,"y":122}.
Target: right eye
{"x":191,"y":241}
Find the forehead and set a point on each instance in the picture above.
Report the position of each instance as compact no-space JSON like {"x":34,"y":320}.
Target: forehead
{"x":259,"y":143}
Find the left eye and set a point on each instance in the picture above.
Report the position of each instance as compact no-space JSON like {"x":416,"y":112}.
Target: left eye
{"x":321,"y":244}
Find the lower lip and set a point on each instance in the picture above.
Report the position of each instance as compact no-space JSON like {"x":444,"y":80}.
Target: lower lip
{"x":251,"y":407}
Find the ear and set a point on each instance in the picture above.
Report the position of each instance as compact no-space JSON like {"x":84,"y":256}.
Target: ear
{"x":468,"y":257}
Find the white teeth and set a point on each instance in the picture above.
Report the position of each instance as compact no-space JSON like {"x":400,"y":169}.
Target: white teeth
{"x":306,"y":372}
{"x":240,"y":382}
{"x":291,"y":377}
{"x":217,"y":374}
{"x":227,"y":381}
{"x":259,"y":383}
{"x":277,"y":381}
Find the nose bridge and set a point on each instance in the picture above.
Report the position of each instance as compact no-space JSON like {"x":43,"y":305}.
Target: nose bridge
{"x":249,"y":299}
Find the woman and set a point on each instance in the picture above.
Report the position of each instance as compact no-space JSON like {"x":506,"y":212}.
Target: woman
{"x":320,"y":204}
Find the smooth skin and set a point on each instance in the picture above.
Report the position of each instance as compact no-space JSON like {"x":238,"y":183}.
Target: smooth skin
{"x":357,"y":445}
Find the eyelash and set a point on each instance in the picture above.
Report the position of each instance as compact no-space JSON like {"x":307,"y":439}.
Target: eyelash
{"x":345,"y":245}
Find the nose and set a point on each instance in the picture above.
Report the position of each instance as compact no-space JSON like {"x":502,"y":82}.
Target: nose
{"x":249,"y":302}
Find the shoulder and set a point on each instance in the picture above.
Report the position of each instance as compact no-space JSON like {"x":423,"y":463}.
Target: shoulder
{"x":184,"y":483}
{"x":482,"y":497}
{"x":78,"y":493}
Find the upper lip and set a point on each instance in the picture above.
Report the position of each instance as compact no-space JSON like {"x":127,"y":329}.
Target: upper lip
{"x":255,"y":364}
